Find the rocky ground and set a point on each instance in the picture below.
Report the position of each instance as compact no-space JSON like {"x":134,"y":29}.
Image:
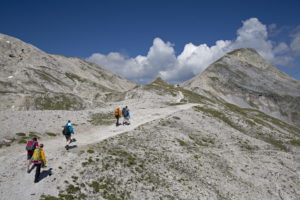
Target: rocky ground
{"x":173,"y":149}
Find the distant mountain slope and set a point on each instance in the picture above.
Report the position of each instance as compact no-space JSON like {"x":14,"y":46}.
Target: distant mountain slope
{"x":244,"y":78}
{"x":33,"y":79}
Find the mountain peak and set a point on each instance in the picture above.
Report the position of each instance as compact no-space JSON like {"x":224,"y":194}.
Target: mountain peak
{"x":243,"y":51}
{"x":159,"y":81}
{"x":245,"y":78}
{"x":249,"y":57}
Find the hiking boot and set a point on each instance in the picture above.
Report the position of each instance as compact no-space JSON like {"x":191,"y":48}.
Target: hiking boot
{"x":67,"y":147}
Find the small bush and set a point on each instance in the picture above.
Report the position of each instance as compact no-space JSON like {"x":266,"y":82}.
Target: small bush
{"x":21,"y":134}
{"x":90,"y":151}
{"x":22,"y":141}
{"x":181,"y":142}
{"x":51,"y":134}
{"x":71,"y":189}
{"x":48,"y":197}
{"x":295,"y":142}
{"x":33,"y":134}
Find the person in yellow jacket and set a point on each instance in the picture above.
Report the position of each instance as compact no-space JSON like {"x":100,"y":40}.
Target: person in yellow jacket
{"x":39,"y":160}
{"x":118,"y":114}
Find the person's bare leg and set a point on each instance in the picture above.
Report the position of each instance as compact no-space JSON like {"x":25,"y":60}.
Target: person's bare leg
{"x":28,"y":164}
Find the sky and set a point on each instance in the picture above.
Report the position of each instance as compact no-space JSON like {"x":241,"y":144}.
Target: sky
{"x":141,"y":40}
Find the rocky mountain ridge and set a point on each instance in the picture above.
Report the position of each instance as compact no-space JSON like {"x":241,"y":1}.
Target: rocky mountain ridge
{"x":33,"y":79}
{"x":244,"y":78}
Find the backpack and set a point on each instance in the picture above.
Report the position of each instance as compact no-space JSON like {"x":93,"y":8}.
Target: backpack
{"x":37,"y":155}
{"x":126,"y":113}
{"x":30,"y":145}
{"x":123,"y":111}
{"x":66,"y":130}
{"x":117,"y":112}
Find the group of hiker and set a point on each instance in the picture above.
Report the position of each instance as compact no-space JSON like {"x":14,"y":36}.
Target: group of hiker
{"x":125,"y":113}
{"x":36,"y":154}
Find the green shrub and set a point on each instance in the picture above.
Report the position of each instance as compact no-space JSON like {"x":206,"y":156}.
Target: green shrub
{"x":51,"y":134}
{"x":181,"y":142}
{"x":33,"y":134}
{"x":22,"y":141}
{"x":48,"y":197}
{"x":21,"y":134}
{"x":90,"y":151}
{"x":295,"y":142}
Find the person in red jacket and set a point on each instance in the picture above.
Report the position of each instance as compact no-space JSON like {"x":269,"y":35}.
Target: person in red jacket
{"x":35,"y":144}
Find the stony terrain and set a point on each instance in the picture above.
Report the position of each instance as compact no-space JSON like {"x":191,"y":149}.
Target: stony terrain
{"x":180,"y":145}
{"x":244,"y":78}
{"x":172,"y":150}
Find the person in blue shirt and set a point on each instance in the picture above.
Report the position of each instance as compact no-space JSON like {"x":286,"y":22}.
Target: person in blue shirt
{"x":68,"y":131}
{"x":126,"y":115}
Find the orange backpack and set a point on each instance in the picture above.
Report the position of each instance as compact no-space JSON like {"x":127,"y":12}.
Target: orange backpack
{"x":117,"y":112}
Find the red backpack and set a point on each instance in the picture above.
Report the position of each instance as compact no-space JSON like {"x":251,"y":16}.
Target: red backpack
{"x":30,"y":145}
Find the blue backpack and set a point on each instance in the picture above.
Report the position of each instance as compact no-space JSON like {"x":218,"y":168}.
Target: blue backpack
{"x":66,"y":130}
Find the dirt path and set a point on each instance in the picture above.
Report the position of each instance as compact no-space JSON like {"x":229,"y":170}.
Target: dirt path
{"x":16,"y":184}
{"x":180,"y":97}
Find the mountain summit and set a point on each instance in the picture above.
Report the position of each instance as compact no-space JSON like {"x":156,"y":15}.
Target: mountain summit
{"x":244,"y":78}
{"x":33,"y":79}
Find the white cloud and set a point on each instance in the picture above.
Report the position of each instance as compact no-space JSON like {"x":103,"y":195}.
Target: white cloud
{"x":295,"y":44}
{"x":162,"y":61}
{"x":281,"y":48}
{"x":161,"y":56}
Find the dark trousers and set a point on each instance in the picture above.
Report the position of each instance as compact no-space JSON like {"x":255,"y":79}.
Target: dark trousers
{"x":37,"y":172}
{"x":117,"y":123}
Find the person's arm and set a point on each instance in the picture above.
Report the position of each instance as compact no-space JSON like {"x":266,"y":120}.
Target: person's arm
{"x":71,"y":129}
{"x":43,"y":158}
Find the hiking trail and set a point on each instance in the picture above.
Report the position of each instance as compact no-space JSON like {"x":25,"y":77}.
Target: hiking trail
{"x":13,"y":170}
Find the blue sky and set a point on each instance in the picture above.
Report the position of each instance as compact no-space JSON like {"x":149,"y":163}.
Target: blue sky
{"x":144,"y":39}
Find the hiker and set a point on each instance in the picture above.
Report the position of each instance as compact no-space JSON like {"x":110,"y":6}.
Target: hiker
{"x":68,"y":131}
{"x":39,"y":160}
{"x":126,"y":115}
{"x":30,"y":147}
{"x":118,"y":115}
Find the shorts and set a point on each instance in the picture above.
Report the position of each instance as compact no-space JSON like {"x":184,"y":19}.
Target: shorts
{"x":68,"y":137}
{"x":29,"y":156}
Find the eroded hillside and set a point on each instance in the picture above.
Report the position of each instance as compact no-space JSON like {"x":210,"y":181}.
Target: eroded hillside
{"x":34,"y":80}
